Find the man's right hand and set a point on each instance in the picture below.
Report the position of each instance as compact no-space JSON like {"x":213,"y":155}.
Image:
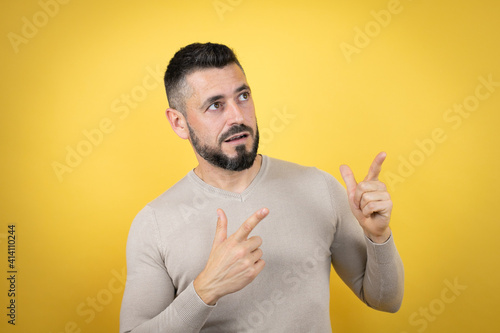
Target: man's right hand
{"x":234,"y":261}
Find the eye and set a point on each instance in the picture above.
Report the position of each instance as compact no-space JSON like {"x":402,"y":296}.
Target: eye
{"x":244,"y":96}
{"x":215,"y":106}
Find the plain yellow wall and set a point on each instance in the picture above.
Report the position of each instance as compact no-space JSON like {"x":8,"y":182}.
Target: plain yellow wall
{"x":333,"y":81}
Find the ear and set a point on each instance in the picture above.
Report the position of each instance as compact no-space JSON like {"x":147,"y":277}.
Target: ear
{"x":178,"y":123}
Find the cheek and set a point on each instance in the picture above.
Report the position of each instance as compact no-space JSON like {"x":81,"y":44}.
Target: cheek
{"x":250,"y":114}
{"x":213,"y":131}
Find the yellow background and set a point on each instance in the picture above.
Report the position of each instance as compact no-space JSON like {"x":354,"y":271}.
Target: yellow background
{"x":77,"y":67}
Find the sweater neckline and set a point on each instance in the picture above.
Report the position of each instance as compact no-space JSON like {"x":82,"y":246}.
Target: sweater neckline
{"x":192,"y":176}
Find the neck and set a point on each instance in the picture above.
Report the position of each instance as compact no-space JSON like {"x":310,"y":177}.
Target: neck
{"x":232,"y":181}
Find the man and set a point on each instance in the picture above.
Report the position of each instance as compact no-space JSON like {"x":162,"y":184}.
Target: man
{"x":187,"y":273}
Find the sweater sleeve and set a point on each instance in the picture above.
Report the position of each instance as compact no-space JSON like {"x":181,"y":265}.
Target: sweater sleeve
{"x":374,"y":272}
{"x":149,"y":302}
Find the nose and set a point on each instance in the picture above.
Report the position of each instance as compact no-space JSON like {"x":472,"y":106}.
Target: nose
{"x":234,"y":114}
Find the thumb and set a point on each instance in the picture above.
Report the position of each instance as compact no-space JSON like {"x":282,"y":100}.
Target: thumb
{"x":349,"y":180}
{"x":221,"y":231}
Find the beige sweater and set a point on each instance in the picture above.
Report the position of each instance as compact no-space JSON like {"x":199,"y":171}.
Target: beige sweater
{"x":309,"y":227}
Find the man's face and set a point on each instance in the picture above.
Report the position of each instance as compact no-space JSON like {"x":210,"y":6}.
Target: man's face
{"x":221,"y":117}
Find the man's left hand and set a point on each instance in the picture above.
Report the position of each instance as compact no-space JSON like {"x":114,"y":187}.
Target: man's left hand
{"x":370,"y":202}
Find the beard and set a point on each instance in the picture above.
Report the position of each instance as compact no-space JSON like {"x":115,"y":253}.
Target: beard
{"x":243,"y":160}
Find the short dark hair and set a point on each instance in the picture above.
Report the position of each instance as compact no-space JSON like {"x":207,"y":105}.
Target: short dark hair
{"x":189,"y":59}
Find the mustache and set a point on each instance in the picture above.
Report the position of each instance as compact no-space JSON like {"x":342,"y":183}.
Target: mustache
{"x":235,"y":130}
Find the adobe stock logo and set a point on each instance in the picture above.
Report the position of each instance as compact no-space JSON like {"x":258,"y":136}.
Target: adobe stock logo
{"x":92,"y":306}
{"x":223,"y":6}
{"x":30,"y":27}
{"x":426,"y":315}
{"x":373,"y":28}
{"x":291,"y":280}
{"x":121,"y":107}
{"x":277,"y":124}
{"x":454,"y":116}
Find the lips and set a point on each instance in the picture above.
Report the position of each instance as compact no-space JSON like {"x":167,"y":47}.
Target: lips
{"x":236,"y":134}
{"x":237,"y":137}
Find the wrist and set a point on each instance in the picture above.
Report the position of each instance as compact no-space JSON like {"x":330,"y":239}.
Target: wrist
{"x":204,"y":293}
{"x":379,"y":238}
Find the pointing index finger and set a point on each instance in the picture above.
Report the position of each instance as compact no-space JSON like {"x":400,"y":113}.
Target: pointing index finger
{"x":244,"y":230}
{"x":376,"y":166}
{"x":348,"y":176}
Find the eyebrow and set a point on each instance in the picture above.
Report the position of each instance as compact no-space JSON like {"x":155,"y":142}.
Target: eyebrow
{"x":242,"y":87}
{"x":214,"y":99}
{"x":211,"y":100}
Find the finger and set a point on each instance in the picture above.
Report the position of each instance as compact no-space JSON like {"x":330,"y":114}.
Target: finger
{"x":259,"y":266}
{"x":371,"y":186}
{"x":348,"y":177}
{"x":367,"y":187}
{"x":221,"y":231}
{"x":244,"y":230}
{"x":256,"y":255}
{"x":253,"y":243}
{"x":376,"y":166}
{"x":373,"y":196}
{"x":380,"y":207}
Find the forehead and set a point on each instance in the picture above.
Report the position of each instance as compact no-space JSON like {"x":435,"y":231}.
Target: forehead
{"x":208,"y":82}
